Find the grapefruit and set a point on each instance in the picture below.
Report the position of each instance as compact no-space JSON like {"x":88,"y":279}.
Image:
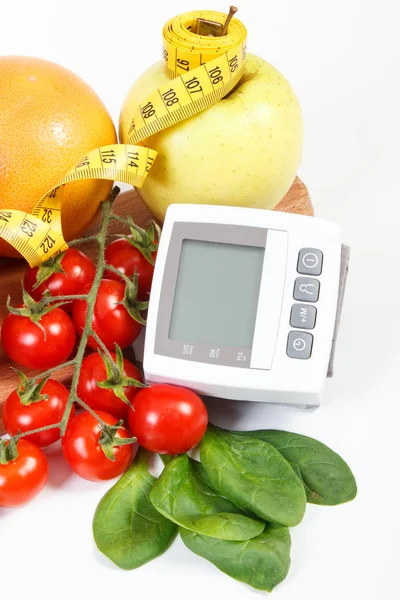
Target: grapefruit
{"x":49,"y":120}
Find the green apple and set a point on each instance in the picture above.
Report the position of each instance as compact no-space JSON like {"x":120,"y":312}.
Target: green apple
{"x":243,"y":151}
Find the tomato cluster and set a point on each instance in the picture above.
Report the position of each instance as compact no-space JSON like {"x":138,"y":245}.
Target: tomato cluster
{"x":96,"y":443}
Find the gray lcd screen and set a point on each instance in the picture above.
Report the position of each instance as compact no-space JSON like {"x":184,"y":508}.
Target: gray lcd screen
{"x":216,"y":293}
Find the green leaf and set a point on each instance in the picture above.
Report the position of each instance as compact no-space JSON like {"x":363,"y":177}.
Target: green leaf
{"x":200,"y":473}
{"x":126,"y":526}
{"x":116,"y":380}
{"x":326,"y":477}
{"x":181,"y":496}
{"x":166,"y":458}
{"x":253,"y":475}
{"x":48,"y":268}
{"x":154,"y":234}
{"x":131,"y":303}
{"x":8,"y":450}
{"x":261,"y":562}
{"x":143,"y":240}
{"x":30,"y":390}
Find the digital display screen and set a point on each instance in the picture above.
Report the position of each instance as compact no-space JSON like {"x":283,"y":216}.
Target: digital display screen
{"x":216,"y":294}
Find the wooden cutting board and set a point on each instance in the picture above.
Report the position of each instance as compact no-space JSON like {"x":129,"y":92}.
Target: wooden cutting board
{"x":296,"y":200}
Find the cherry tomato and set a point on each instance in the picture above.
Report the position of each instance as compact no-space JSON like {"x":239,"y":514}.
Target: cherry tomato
{"x":27,"y":345}
{"x":84,"y":454}
{"x":167,"y":419}
{"x":20,"y":417}
{"x":126,"y":258}
{"x":111,"y":321}
{"x":23,"y":478}
{"x":93,"y":370}
{"x":79,"y":271}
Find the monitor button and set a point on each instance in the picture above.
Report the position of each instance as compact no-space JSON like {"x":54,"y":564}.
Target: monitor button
{"x":299,"y":345}
{"x":310,"y":261}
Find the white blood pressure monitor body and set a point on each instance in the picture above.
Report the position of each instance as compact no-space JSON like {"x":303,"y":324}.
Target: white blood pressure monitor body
{"x":243,"y":303}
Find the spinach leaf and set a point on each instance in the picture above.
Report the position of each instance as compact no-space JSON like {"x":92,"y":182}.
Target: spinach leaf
{"x":199,"y":471}
{"x":253,"y":475}
{"x":326,"y":477}
{"x":202,"y":475}
{"x":261,"y":562}
{"x":183,"y":497}
{"x":126,"y":526}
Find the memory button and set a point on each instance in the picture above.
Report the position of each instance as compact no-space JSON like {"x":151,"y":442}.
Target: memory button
{"x":303,"y":316}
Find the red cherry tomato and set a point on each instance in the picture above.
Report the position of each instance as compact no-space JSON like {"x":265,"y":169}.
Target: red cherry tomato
{"x":20,"y":417}
{"x":79,"y":271}
{"x":26,"y":344}
{"x":23,"y":478}
{"x":93,"y":371}
{"x":84,"y":454}
{"x":111,"y":321}
{"x":168,"y":419}
{"x":126,"y":258}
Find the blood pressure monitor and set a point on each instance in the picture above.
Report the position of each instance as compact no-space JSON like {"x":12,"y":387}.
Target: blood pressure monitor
{"x":243,"y":303}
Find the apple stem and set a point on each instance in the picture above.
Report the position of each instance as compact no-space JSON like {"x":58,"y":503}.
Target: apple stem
{"x":232,"y":11}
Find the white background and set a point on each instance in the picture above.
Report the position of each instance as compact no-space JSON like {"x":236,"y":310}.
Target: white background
{"x":342,"y":59}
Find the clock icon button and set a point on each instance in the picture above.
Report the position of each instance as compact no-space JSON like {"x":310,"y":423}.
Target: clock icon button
{"x":299,"y":344}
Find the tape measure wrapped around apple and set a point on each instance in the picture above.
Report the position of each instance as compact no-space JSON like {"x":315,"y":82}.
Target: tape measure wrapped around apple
{"x":244,"y":150}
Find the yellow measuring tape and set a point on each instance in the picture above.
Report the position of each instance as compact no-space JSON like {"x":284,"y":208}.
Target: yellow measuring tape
{"x":202,"y":68}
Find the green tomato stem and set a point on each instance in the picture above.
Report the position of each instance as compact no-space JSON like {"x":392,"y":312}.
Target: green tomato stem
{"x":82,"y":240}
{"x":102,"y":345}
{"x":38,"y":430}
{"x":8,"y":451}
{"x":124,"y":441}
{"x":90,"y":411}
{"x":48,"y":299}
{"x":49,"y":372}
{"x":76,"y":362}
{"x":91,"y":300}
{"x":121,"y":220}
{"x":106,"y":351}
{"x":127,"y":280}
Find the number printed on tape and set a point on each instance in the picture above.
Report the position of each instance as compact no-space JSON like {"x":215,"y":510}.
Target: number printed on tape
{"x":202,"y":70}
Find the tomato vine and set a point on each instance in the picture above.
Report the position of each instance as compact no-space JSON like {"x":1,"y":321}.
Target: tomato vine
{"x":48,"y":302}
